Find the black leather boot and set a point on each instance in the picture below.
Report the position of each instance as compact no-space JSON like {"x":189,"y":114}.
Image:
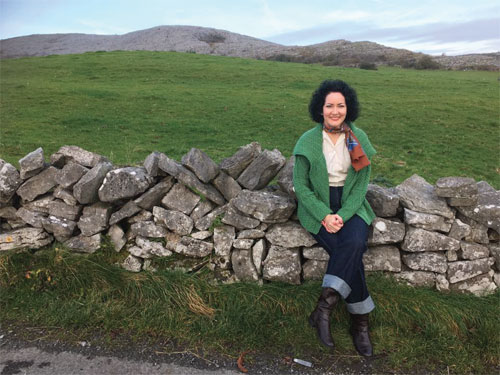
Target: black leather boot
{"x":320,"y":317}
{"x":361,"y":335}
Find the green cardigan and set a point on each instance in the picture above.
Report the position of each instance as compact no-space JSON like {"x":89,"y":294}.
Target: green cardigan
{"x":310,"y":181}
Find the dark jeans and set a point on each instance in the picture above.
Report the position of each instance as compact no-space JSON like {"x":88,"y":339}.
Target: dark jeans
{"x":346,"y":272}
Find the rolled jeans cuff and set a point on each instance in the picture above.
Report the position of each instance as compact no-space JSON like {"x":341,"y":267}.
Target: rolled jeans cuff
{"x":363,"y":307}
{"x":334,"y":282}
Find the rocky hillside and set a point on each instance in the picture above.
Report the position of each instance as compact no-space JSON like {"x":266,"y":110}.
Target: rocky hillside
{"x":220,"y":42}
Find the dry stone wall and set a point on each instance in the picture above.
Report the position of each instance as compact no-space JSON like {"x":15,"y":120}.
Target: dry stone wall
{"x":229,"y":217}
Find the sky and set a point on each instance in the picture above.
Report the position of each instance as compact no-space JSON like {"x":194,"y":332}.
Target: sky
{"x":435,"y":27}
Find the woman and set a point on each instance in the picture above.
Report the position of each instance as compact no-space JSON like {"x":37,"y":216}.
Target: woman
{"x":330,"y":177}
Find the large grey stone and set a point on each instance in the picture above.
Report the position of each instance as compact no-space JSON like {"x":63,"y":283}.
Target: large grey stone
{"x":141,"y":216}
{"x":262,"y":170}
{"x":117,"y":236}
{"x":480,"y":285}
{"x":147,"y":229}
{"x":33,"y":218}
{"x":151,"y":163}
{"x":168,"y":165}
{"x":427,"y":221}
{"x":316,"y":253}
{"x":193,"y":248}
{"x":70,"y":174}
{"x":86,"y":189}
{"x":223,"y":241}
{"x":31,"y":164}
{"x":285,"y":177}
{"x":210,"y":219}
{"x":314,"y":269}
{"x":417,"y":278}
{"x":180,"y":198}
{"x":283,"y":265}
{"x":235,"y":218}
{"x":38,"y":185}
{"x":259,"y":253}
{"x":251,"y":233}
{"x":155,"y":194}
{"x":84,"y":244}
{"x":175,"y":221}
{"x":265,"y":206}
{"x":467,"y":269}
{"x":495,"y":253}
{"x":153,"y":248}
{"x":487,"y":209}
{"x":201,"y":235}
{"x":478,"y":232}
{"x":417,"y":240}
{"x":8,"y":213}
{"x":382,"y":258}
{"x":459,"y":230}
{"x":65,"y":195}
{"x":132,"y":264}
{"x":456,"y":187}
{"x":471,"y":251}
{"x":243,"y":266}
{"x":129,"y":209}
{"x":80,"y":156}
{"x":41,"y":204}
{"x":24,"y":238}
{"x":201,"y":164}
{"x":382,"y":200}
{"x":208,"y":191}
{"x":61,"y":228}
{"x":237,"y":163}
{"x":243,"y":243}
{"x":62,"y":210}
{"x":124,"y":183}
{"x":227,"y":185}
{"x":418,"y":195}
{"x":9,"y":181}
{"x":201,"y":209}
{"x":143,"y":252}
{"x":385,"y":231}
{"x":289,"y":234}
{"x":94,"y":219}
{"x":428,"y":261}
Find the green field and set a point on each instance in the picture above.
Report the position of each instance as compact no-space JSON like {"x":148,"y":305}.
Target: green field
{"x":126,"y":104}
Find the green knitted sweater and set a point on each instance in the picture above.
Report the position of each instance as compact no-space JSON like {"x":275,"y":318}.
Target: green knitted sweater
{"x":310,"y":181}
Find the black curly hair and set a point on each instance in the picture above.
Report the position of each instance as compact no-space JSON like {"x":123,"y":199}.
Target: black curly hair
{"x":326,"y":87}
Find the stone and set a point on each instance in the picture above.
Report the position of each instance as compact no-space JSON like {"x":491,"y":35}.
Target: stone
{"x":467,"y":269}
{"x":201,"y":209}
{"x":264,"y":206}
{"x":427,"y":221}
{"x":61,"y":228}
{"x":235,"y":218}
{"x":243,"y":244}
{"x":32,"y":164}
{"x":9,"y":181}
{"x":223,"y":240}
{"x":285,"y":178}
{"x":38,"y":185}
{"x":471,"y":251}
{"x":175,"y":221}
{"x":227,"y":186}
{"x":84,"y":244}
{"x":86,"y":189}
{"x":152,"y":248}
{"x":207,"y":221}
{"x":204,"y":190}
{"x":139,"y":252}
{"x":417,"y":240}
{"x":65,"y":195}
{"x":117,"y":236}
{"x":172,"y":239}
{"x":451,"y":255}
{"x":70,"y":174}
{"x":40,"y":205}
{"x":151,"y":163}
{"x":243,"y":266}
{"x":478,"y":232}
{"x":493,"y":235}
{"x":259,"y":253}
{"x":316,"y":253}
{"x":428,"y":261}
{"x":141,"y":216}
{"x":9,"y":213}
{"x":57,"y":160}
{"x":124,"y":183}
{"x":456,"y":187}
{"x":147,"y":229}
{"x":15,"y":224}
{"x":94,"y":219}
{"x":464,"y":201}
{"x":193,"y":248}
{"x":200,"y":163}
{"x":251,"y":233}
{"x":382,"y":200}
{"x":459,"y":230}
{"x":80,"y":156}
{"x":262,"y":170}
{"x":33,"y":218}
{"x":148,"y":266}
{"x":24,"y":238}
{"x":132,"y":264}
{"x":314,"y":269}
{"x":495,"y":253}
{"x":129,"y":209}
{"x":169,"y":166}
{"x":62,"y":210}
{"x":385,"y":231}
{"x":282,"y":264}
{"x":382,"y":258}
{"x":289,"y":235}
{"x":442,"y":283}
{"x":201,"y":235}
{"x":180,"y":198}
{"x":480,"y":285}
{"x":418,"y":195}
{"x":417,"y":278}
{"x":487,"y":209}
{"x":155,"y":194}
{"x":237,"y":163}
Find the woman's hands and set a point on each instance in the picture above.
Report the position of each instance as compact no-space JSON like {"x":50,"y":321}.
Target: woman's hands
{"x":332,"y":223}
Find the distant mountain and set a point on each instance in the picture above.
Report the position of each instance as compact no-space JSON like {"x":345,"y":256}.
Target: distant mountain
{"x":204,"y":40}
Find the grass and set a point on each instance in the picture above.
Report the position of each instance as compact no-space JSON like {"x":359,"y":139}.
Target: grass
{"x":126,"y":104}
{"x":83,"y":294}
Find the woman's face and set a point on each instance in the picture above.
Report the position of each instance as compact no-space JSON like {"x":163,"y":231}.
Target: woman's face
{"x":334,"y":109}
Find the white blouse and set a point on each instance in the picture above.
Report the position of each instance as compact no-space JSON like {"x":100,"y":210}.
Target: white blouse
{"x":337,"y":159}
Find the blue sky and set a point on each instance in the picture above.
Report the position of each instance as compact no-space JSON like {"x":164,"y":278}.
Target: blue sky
{"x":429,"y":26}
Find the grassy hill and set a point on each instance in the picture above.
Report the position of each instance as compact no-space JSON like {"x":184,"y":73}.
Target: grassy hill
{"x":126,"y":104}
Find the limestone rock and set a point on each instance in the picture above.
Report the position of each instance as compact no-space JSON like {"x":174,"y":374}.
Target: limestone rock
{"x":382,"y":258}
{"x":139,"y":252}
{"x":41,"y":204}
{"x":86,"y":189}
{"x":262,"y":170}
{"x":259,"y":253}
{"x":428,"y":261}
{"x":417,"y":278}
{"x":152,"y":248}
{"x":9,"y":181}
{"x":283,"y":265}
{"x":172,"y":240}
{"x":129,"y":209}
{"x":382,"y":200}
{"x":459,"y":230}
{"x":94,"y":219}
{"x":124,"y":183}
{"x":61,"y":228}
{"x":289,"y":235}
{"x":208,"y":220}
{"x":65,"y":195}
{"x":487,"y":209}
{"x":201,"y":235}
{"x":117,"y":236}
{"x":175,"y":221}
{"x":227,"y":186}
{"x":480,"y":285}
{"x":63,"y":210}
{"x":237,"y":163}
{"x":84,"y":244}
{"x":9,"y":213}
{"x":32,"y":164}
{"x":467,"y":269}
{"x":456,"y":187}
{"x":147,"y":229}
{"x":495,"y":253}
{"x":451,"y":255}
{"x":471,"y":251}
{"x":285,"y":177}
{"x":251,"y":233}
{"x":243,"y":266}
{"x":193,"y":248}
{"x":200,"y":163}
{"x":418,"y":195}
{"x":442,"y":283}
{"x":151,"y":163}
{"x":141,"y":216}
{"x":80,"y":156}
{"x":201,"y":209}
{"x":316,"y":252}
{"x":427,"y":221}
{"x":223,"y":239}
{"x":169,"y":166}
{"x":38,"y":185}
{"x":478,"y":232}
{"x":24,"y":238}
{"x":180,"y":198}
{"x":264,"y":206}
{"x":132,"y":264}
{"x":235,"y":218}
{"x":189,"y":179}
{"x":314,"y":269}
{"x":385,"y":231}
{"x":155,"y":194}
{"x":33,"y":218}
{"x":417,"y":239}
{"x":70,"y":174}
{"x":243,"y":244}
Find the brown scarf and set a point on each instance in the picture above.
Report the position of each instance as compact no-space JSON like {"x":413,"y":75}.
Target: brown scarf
{"x":359,"y":160}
